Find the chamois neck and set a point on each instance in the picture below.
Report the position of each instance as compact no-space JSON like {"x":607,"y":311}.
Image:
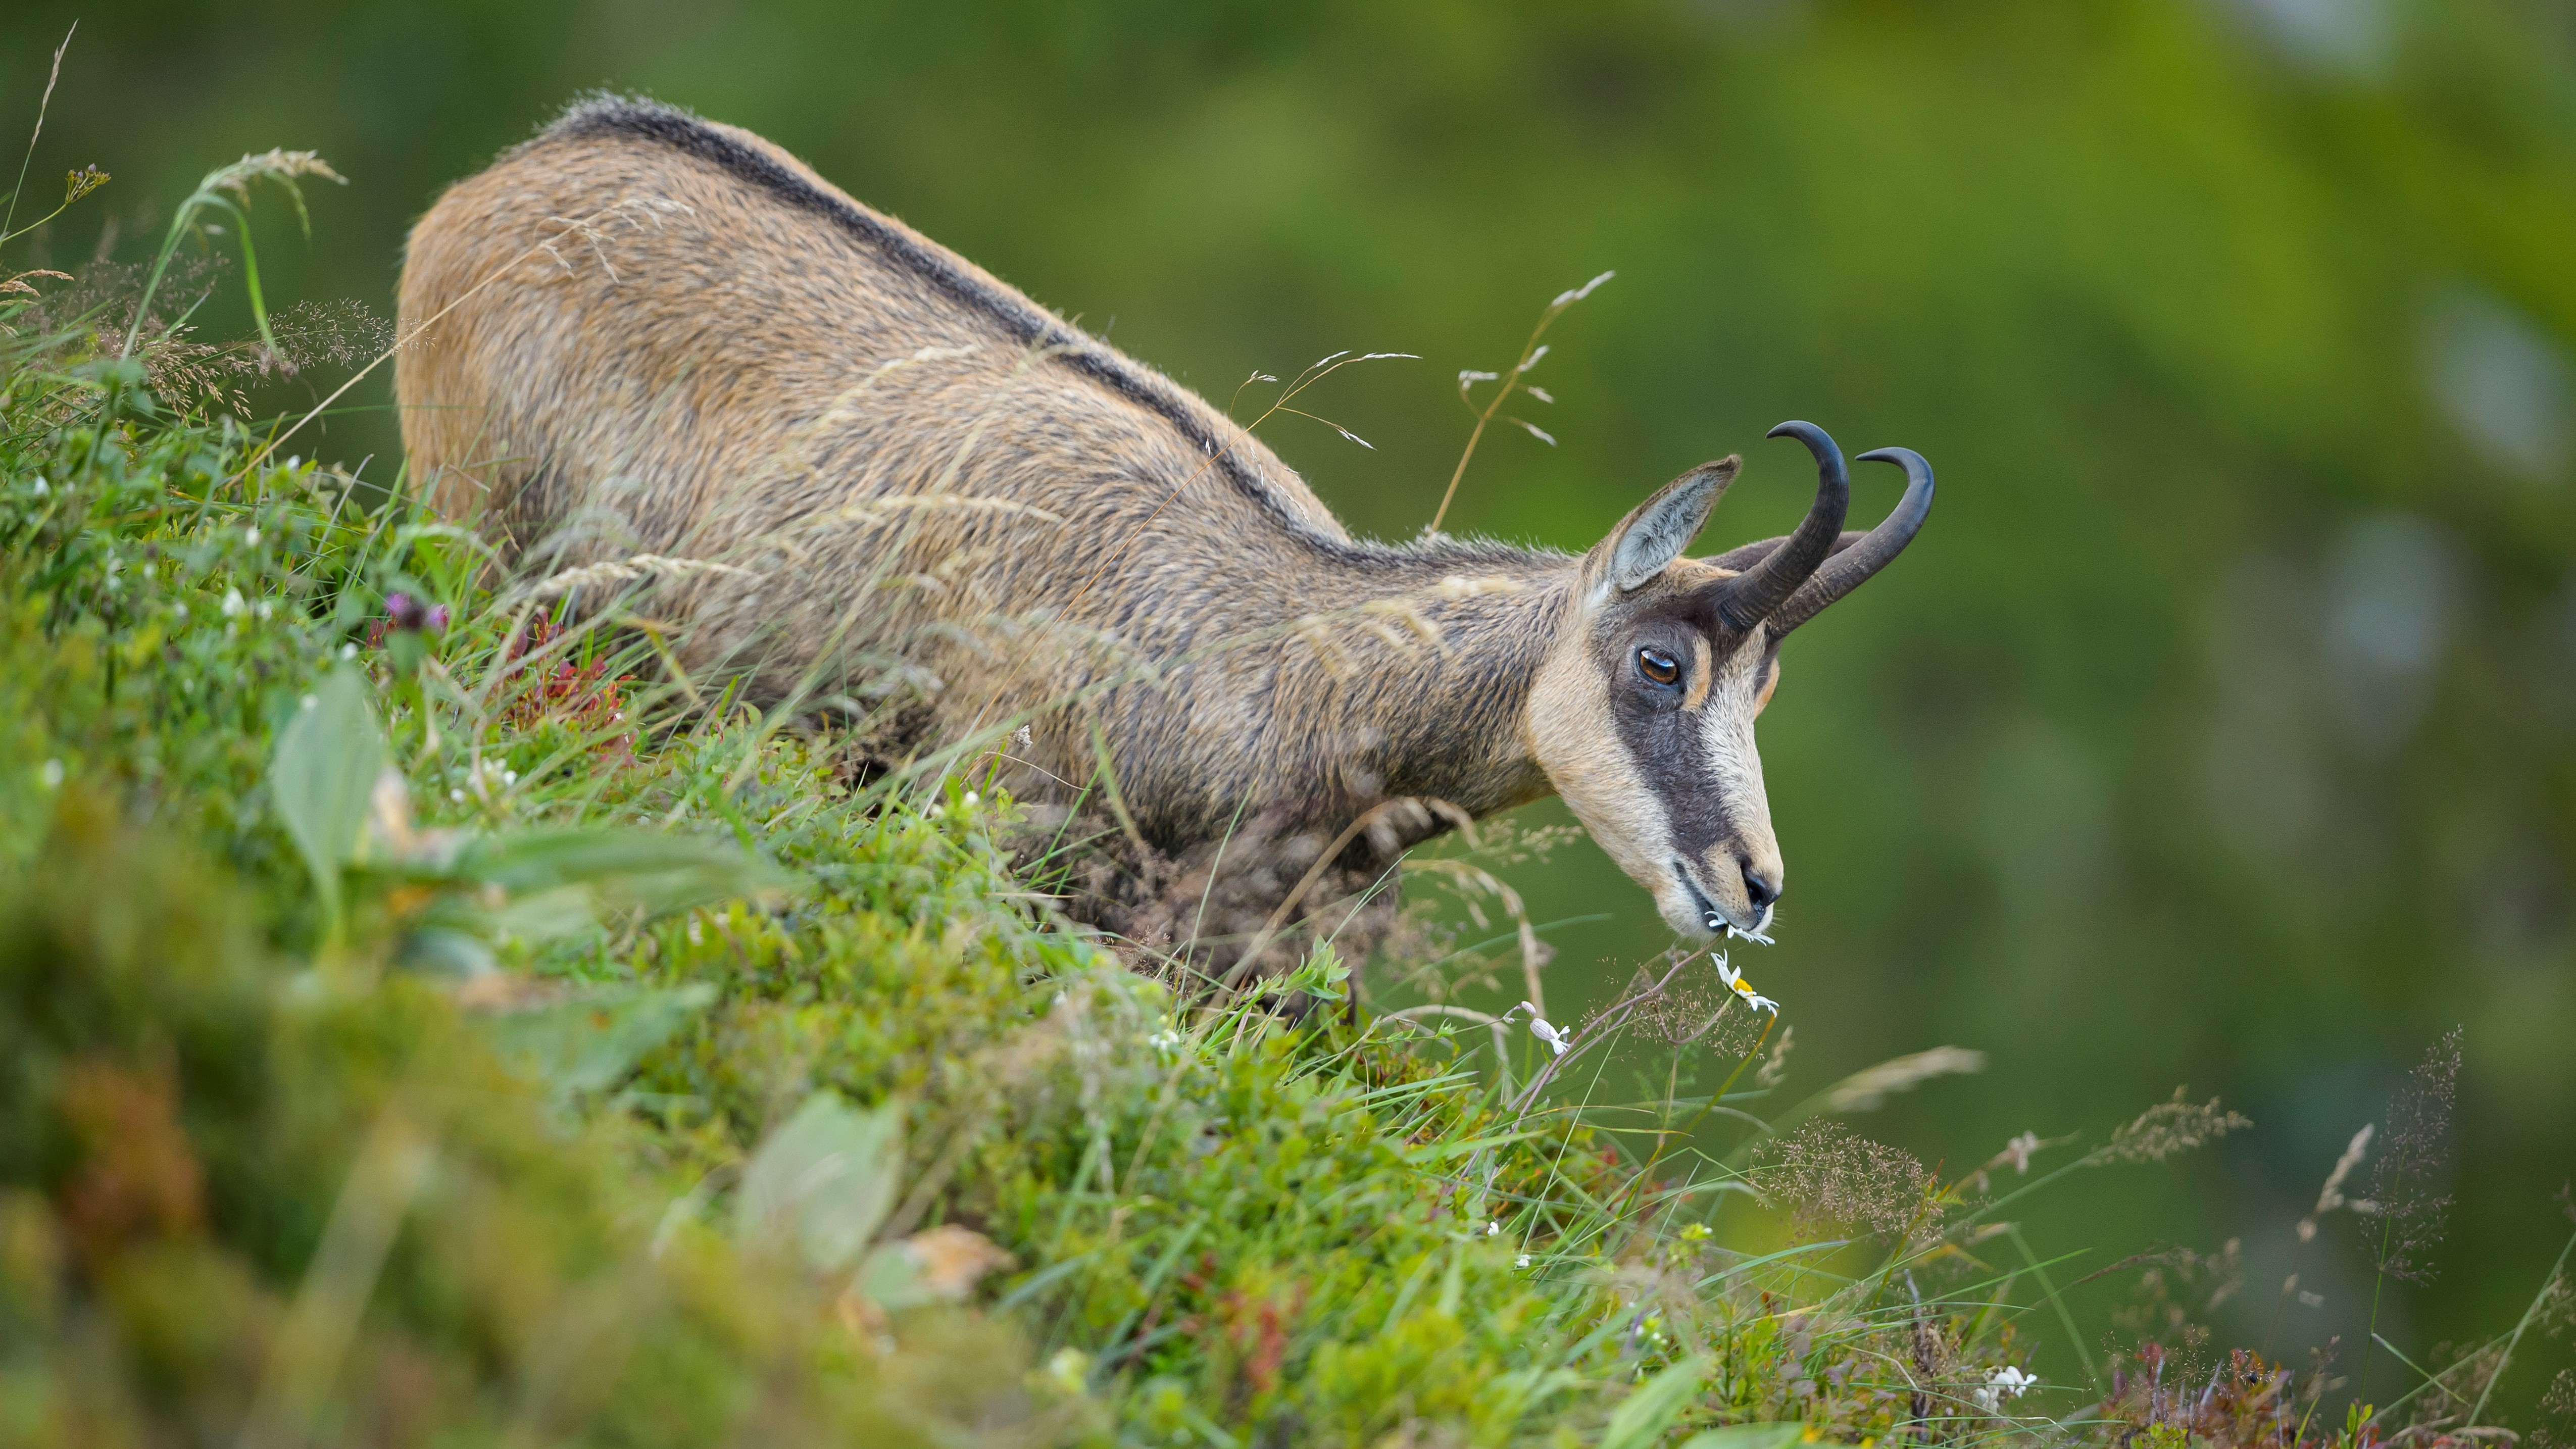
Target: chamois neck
{"x":1406,"y":672}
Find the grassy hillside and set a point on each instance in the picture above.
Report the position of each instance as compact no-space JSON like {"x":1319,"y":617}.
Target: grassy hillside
{"x":424,"y":1020}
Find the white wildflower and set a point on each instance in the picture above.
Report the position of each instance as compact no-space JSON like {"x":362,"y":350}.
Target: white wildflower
{"x":1729,"y":928}
{"x":2020,"y":1148}
{"x":2001,"y":1386}
{"x":1557,"y":1041}
{"x":1736,"y":983}
{"x":348,"y":651}
{"x":233,"y":604}
{"x":1493,"y":1228}
{"x":457,"y":794}
{"x":43,"y":487}
{"x":1522,"y":1261}
{"x":250,"y":536}
{"x":52,"y":773}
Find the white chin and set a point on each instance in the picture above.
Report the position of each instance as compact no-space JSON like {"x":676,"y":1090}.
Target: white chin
{"x":1684,"y":917}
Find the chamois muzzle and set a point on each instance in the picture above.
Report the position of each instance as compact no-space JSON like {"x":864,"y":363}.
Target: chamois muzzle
{"x":1754,"y":595}
{"x":1850,"y":567}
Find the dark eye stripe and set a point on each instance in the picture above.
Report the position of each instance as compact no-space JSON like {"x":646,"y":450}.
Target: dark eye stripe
{"x":1657,"y":666}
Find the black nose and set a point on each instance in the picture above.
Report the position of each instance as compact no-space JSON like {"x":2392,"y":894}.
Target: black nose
{"x":1761,"y":888}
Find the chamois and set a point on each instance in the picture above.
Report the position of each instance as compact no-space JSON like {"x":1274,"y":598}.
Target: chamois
{"x":860,"y":462}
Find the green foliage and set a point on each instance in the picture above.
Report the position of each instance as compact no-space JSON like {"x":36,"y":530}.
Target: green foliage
{"x":239,"y":1198}
{"x":327,"y":760}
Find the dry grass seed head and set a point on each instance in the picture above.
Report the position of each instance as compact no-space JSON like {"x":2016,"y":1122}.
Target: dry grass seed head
{"x":1775,"y":1062}
{"x":641,"y":566}
{"x":1690,"y":1009}
{"x":2172,"y":1127}
{"x":2408,"y":1183}
{"x":2561,"y":1398}
{"x":1831,"y":1176}
{"x":1867,"y":1090}
{"x":90,"y":315}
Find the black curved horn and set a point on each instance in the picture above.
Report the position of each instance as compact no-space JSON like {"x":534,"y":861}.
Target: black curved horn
{"x":1750,"y":597}
{"x":1851,"y":567}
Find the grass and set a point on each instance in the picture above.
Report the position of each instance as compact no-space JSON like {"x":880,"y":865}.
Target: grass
{"x":430,"y":1021}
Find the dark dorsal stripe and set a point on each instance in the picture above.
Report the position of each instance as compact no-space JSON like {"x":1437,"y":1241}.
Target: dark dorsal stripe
{"x":670,"y":126}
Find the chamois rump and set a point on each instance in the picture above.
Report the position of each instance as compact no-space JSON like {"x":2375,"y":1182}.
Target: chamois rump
{"x":863,"y":463}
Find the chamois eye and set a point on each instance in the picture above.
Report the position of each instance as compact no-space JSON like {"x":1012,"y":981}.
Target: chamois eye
{"x":1658,"y":666}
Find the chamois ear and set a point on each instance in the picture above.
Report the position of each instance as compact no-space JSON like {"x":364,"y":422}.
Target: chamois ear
{"x":1656,"y":531}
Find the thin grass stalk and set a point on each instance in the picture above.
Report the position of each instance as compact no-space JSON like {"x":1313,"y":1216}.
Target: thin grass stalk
{"x":2547,"y":1286}
{"x":44,"y":104}
{"x":1531,"y":351}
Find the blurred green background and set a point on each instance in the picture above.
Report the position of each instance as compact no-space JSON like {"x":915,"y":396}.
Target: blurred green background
{"x":2220,"y":729}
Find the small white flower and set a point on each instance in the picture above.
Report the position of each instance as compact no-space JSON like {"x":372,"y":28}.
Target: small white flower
{"x":1493,"y":1228}
{"x":2020,"y":1149}
{"x":348,"y":651}
{"x":1522,"y":1261}
{"x":1736,"y":983}
{"x":2001,"y":1386}
{"x":509,"y":777}
{"x":43,"y":487}
{"x":267,"y":609}
{"x":1557,"y":1041}
{"x":250,"y":535}
{"x":457,"y":795}
{"x":697,"y":936}
{"x":970,"y":797}
{"x":52,"y":773}
{"x":232,"y":603}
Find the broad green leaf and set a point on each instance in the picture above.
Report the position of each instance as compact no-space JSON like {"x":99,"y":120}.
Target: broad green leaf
{"x":1652,"y":1406}
{"x":629,"y":870}
{"x":546,"y":915}
{"x":1748,"y":1436}
{"x":823,"y":1183}
{"x":589,"y":1044}
{"x":320,"y":778}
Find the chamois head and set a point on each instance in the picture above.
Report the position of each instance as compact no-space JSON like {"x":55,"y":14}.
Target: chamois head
{"x":1643,"y":714}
